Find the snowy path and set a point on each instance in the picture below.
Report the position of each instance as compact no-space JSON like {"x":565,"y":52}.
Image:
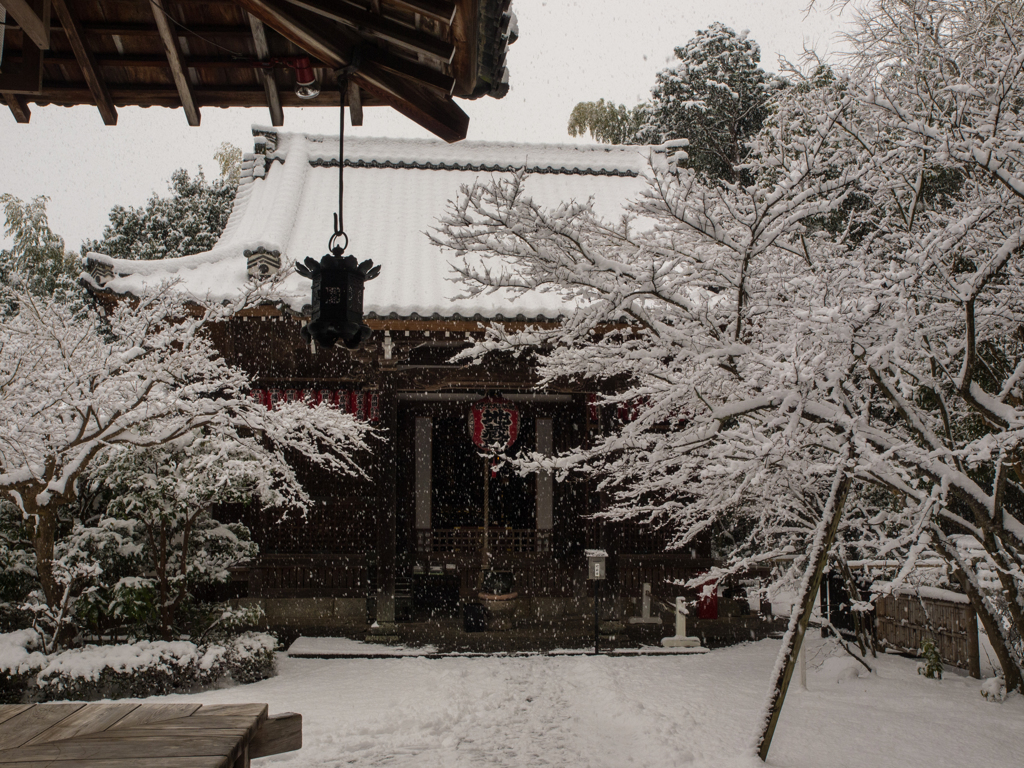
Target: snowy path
{"x":655,"y":712}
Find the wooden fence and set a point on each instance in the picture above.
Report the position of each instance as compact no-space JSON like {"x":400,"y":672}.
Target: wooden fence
{"x":904,"y":621}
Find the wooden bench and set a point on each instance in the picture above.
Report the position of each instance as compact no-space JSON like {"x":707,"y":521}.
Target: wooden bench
{"x":131,"y":735}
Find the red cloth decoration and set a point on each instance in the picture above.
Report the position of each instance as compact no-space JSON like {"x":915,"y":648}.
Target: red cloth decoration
{"x":493,"y":424}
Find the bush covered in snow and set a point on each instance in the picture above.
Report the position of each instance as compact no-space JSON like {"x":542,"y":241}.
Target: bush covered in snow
{"x":144,"y":668}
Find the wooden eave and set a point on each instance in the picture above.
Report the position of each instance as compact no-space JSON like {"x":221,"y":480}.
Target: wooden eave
{"x":412,"y":55}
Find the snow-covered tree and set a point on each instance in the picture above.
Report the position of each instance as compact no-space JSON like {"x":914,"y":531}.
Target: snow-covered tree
{"x":37,"y":254}
{"x":158,"y":518}
{"x":188,"y":221}
{"x":141,"y":373}
{"x":817,"y":375}
{"x":717,"y":97}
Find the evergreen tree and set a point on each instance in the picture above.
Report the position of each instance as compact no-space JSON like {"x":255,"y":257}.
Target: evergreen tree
{"x":189,"y":221}
{"x":717,"y":97}
{"x":37,"y":257}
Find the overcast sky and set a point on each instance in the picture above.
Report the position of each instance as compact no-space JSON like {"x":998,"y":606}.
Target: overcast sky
{"x":568,"y":51}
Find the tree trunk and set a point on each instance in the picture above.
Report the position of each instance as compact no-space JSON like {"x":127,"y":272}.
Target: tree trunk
{"x":817,"y":557}
{"x":1011,"y":672}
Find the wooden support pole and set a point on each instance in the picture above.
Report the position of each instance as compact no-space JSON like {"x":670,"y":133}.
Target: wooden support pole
{"x":259,"y":38}
{"x":18,"y":105}
{"x":170,"y":40}
{"x":387,"y":505}
{"x":792,"y":643}
{"x":33,"y":16}
{"x":86,"y":61}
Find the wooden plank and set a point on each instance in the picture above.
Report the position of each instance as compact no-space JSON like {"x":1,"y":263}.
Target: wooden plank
{"x":195,"y":761}
{"x":355,"y":104}
{"x":155,"y":713}
{"x":371,"y":25}
{"x":168,"y":729}
{"x":258,"y":711}
{"x":90,"y":719}
{"x":170,"y":40}
{"x":259,"y":38}
{"x":18,"y":106}
{"x":280,"y":733}
{"x":7,"y":711}
{"x":33,"y":721}
{"x":117,"y":746}
{"x":33,"y":16}
{"x":438,"y":10}
{"x":86,"y":61}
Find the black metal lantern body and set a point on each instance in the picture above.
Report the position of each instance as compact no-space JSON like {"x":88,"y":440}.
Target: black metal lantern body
{"x":337,"y":299}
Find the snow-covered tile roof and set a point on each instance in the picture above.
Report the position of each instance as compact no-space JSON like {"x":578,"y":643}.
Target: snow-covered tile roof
{"x":395,"y":191}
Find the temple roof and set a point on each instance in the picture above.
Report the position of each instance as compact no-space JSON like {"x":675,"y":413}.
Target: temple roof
{"x":395,"y":191}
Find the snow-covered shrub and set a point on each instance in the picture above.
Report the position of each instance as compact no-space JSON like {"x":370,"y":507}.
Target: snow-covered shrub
{"x":931,"y":666}
{"x":149,"y":668}
{"x":20,"y":659}
{"x":994,"y":689}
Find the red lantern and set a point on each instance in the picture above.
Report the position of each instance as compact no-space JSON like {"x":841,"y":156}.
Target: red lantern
{"x":493,"y":424}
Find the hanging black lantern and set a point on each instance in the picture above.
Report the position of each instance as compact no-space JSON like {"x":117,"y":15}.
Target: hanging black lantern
{"x":337,"y":298}
{"x":338,"y":279}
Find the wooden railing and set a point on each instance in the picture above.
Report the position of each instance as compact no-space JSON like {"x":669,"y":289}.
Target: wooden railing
{"x":308,"y":576}
{"x":469,"y":540}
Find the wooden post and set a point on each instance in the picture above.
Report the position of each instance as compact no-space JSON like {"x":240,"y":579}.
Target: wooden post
{"x":387,"y":501}
{"x":792,"y":643}
{"x":485,"y":548}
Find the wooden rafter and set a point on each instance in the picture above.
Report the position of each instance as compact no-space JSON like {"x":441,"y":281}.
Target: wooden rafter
{"x":33,"y":16}
{"x":167,"y":96}
{"x":437,"y":113}
{"x":18,"y":106}
{"x":86,"y":61}
{"x":259,"y":38}
{"x":173,"y":51}
{"x":379,"y":27}
{"x":436,"y":10}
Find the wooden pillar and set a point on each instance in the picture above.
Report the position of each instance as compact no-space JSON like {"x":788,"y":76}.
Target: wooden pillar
{"x":423,"y":452}
{"x":387,"y":507}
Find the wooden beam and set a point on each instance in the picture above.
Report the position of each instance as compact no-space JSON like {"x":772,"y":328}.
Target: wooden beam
{"x":438,"y":10}
{"x":259,"y":38}
{"x":18,"y":106}
{"x":379,"y":27}
{"x":86,"y":62}
{"x":438,"y":114}
{"x":167,"y":96}
{"x":170,"y":41}
{"x":33,"y":16}
{"x":24,"y":76}
{"x":148,"y":30}
{"x":465,"y":31}
{"x":355,"y":104}
{"x":297,"y":31}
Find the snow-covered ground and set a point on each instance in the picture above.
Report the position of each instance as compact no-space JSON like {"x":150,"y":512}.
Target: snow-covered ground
{"x":532,"y":711}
